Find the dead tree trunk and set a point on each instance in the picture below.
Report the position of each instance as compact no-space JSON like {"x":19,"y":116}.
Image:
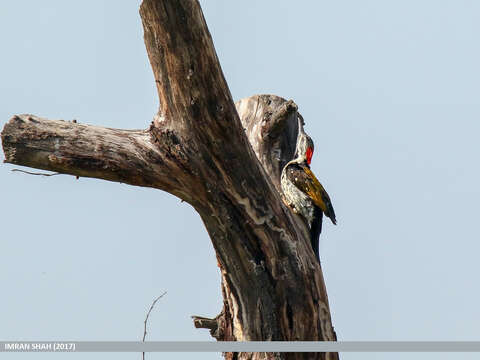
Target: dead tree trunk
{"x":227,"y":167}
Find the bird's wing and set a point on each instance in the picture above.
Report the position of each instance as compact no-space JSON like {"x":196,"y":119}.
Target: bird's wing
{"x":304,"y":179}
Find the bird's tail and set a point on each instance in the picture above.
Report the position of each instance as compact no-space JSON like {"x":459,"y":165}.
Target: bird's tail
{"x":315,"y":231}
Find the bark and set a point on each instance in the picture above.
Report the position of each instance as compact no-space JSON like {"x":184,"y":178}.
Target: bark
{"x":271,"y":126}
{"x":227,"y":166}
{"x":129,"y":156}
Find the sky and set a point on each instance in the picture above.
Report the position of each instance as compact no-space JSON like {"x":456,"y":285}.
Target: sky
{"x":390,"y":93}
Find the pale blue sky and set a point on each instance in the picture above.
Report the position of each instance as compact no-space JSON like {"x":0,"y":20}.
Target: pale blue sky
{"x":390,"y":92}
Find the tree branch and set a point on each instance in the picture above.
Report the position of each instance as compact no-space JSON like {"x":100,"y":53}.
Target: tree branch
{"x":128,"y":156}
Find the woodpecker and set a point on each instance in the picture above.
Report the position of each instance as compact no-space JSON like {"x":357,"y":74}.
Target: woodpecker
{"x":303,"y":192}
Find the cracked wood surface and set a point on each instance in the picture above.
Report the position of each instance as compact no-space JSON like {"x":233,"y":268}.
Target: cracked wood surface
{"x":227,"y":166}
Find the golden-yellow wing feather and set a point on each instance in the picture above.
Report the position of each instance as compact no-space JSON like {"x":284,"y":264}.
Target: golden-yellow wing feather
{"x":314,"y":189}
{"x":304,"y":179}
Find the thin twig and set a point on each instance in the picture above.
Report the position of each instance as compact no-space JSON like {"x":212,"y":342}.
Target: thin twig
{"x":146,"y":319}
{"x":41,"y":174}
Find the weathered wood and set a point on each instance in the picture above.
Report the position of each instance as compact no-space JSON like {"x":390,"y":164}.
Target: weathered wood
{"x":228,"y":167}
{"x":271,"y":125}
{"x":133,"y":157}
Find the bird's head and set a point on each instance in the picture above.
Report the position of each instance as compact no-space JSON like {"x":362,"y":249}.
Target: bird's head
{"x":304,"y":151}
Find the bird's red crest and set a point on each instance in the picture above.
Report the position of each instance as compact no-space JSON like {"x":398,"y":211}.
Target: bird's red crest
{"x":309,"y":155}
